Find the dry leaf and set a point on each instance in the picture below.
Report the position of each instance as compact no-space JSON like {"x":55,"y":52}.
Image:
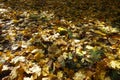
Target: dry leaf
{"x":18,"y":59}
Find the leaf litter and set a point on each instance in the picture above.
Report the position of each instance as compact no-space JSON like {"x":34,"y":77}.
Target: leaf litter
{"x":45,"y":45}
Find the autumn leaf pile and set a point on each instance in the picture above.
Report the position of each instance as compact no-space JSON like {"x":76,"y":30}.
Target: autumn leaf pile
{"x":42,"y":45}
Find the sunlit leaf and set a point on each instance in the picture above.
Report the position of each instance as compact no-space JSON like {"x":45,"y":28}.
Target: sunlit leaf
{"x":115,"y":64}
{"x":59,"y":74}
{"x":18,"y":59}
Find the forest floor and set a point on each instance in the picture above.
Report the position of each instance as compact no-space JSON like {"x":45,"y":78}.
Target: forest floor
{"x":60,"y":40}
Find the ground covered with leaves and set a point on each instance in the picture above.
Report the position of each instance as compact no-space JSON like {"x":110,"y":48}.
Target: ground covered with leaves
{"x":59,"y":40}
